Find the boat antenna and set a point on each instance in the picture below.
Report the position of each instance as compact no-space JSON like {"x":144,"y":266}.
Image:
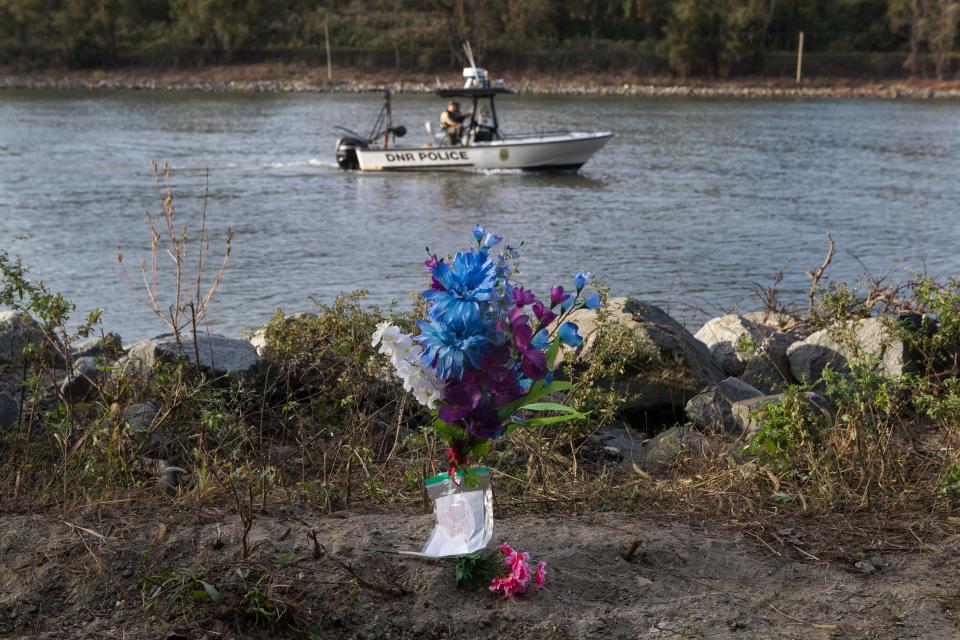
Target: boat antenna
{"x":467,"y":49}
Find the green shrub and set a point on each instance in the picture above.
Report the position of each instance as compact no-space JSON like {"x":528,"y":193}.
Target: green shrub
{"x":790,"y":433}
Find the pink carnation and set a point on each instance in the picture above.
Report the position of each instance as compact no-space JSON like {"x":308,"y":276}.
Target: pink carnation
{"x":519,"y":576}
{"x":508,"y":586}
{"x":541,"y":576}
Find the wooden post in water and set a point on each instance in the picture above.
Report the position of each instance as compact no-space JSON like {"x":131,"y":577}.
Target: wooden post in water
{"x":326,"y":40}
{"x":800,"y":58}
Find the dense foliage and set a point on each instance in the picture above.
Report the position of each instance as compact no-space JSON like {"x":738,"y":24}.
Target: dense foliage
{"x":710,"y":37}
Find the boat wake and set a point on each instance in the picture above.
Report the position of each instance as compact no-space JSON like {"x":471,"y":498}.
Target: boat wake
{"x":501,"y":172}
{"x":312,"y":162}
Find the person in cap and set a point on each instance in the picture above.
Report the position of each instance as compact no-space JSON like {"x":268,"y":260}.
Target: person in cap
{"x":452,"y":120}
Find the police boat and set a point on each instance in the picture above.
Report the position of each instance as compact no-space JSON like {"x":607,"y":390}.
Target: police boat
{"x":478,"y":144}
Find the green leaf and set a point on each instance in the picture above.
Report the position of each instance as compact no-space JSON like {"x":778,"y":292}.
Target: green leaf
{"x":537,"y":391}
{"x":479,"y":449}
{"x":466,"y":570}
{"x":211,"y":591}
{"x":552,"y":352}
{"x":537,"y":422}
{"x":548,"y":406}
{"x":448,"y":432}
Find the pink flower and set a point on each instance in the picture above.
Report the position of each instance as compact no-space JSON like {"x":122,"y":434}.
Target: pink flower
{"x":518,"y":577}
{"x":541,"y":576}
{"x":507,"y":587}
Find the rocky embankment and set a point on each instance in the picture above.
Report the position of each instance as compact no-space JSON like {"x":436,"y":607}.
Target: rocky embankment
{"x":712,"y":382}
{"x":234,"y":80}
{"x":676,"y":391}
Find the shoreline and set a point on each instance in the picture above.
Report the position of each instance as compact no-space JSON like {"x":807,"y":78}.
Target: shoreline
{"x":302,"y":79}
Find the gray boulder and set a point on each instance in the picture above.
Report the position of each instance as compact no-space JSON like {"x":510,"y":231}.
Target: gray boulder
{"x":743,"y":411}
{"x":673,"y":341}
{"x":16,"y":332}
{"x":9,"y":413}
{"x":665,"y":447}
{"x":108,"y":346}
{"x":769,"y":368}
{"x":626,"y":445}
{"x":835,"y":346}
{"x":774,"y":320}
{"x":669,"y":368}
{"x":140,"y":416}
{"x":83,"y":380}
{"x":711,"y":409}
{"x":218,"y":355}
{"x":725,"y":336}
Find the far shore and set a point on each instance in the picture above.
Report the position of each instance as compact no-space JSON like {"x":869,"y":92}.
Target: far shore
{"x":271,"y":78}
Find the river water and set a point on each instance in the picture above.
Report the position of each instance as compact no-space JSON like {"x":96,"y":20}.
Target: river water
{"x":694,"y":202}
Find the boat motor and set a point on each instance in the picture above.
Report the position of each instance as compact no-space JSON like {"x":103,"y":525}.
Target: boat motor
{"x":347,"y":146}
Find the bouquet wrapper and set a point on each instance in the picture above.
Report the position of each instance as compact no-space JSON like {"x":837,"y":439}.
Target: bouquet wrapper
{"x":463,"y":511}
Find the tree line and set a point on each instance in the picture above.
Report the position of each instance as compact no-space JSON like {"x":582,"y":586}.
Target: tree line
{"x":684,"y":37}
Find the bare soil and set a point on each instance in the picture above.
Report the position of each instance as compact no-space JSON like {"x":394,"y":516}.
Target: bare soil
{"x":87,"y":575}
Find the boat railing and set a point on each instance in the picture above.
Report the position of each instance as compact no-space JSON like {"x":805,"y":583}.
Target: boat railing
{"x":532,"y":134}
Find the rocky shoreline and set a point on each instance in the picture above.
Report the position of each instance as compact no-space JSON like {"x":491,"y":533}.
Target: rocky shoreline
{"x":244,"y":80}
{"x":683,"y":385}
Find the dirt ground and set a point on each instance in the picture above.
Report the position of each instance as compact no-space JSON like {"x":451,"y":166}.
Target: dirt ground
{"x":84,"y":576}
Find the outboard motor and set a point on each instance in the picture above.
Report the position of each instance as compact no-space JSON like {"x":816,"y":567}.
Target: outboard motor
{"x":347,"y":146}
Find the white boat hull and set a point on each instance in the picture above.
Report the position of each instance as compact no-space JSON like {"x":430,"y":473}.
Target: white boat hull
{"x":564,"y":152}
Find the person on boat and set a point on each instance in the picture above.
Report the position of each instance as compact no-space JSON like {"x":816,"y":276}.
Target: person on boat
{"x":452,"y":122}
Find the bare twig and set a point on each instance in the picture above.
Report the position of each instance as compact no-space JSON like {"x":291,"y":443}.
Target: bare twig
{"x":816,"y":274}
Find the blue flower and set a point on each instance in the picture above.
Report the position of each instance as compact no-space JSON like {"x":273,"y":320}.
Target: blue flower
{"x":448,"y":350}
{"x":491,"y":239}
{"x":478,"y":233}
{"x":541,"y":340}
{"x":580,"y":280}
{"x":469,"y":281}
{"x":592,"y":302}
{"x":567,"y":304}
{"x":569,"y":336}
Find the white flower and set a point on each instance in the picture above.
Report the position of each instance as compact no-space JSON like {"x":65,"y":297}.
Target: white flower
{"x":378,"y":333}
{"x":404,"y":355}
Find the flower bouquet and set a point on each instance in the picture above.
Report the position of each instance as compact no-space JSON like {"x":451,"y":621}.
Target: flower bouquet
{"x":483,"y":363}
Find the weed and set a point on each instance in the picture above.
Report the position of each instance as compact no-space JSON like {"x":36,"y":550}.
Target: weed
{"x":950,"y":483}
{"x":177,"y":589}
{"x":189,"y":302}
{"x":790,"y":433}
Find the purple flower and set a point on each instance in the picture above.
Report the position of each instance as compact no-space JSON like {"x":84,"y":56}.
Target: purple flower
{"x":434,"y":283}
{"x":533,"y":362}
{"x":462,"y":397}
{"x":484,"y":423}
{"x":544,"y":315}
{"x":557,"y":296}
{"x":523,"y":297}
